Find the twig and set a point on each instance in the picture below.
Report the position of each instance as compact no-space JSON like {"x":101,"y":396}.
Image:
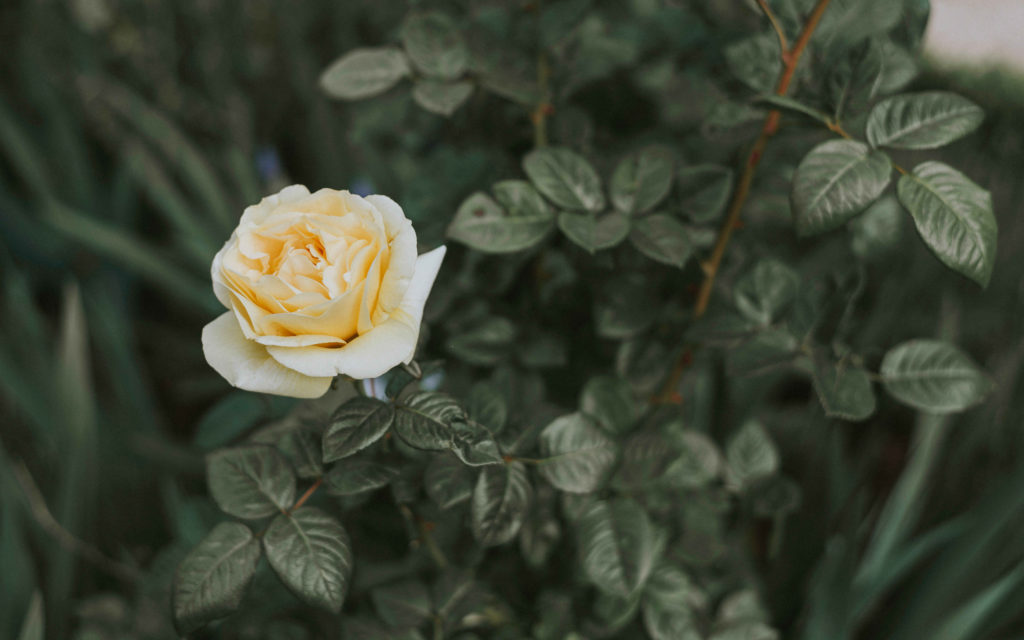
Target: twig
{"x":790,"y":60}
{"x":838,"y":129}
{"x":422,"y":529}
{"x":306,"y":496}
{"x":783,"y":44}
{"x":768,"y":129}
{"x":42,"y":515}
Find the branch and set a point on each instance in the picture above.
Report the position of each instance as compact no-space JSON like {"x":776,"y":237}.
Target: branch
{"x":306,"y":496}
{"x":783,"y":44}
{"x":42,"y":515}
{"x":768,"y":129}
{"x":790,"y":60}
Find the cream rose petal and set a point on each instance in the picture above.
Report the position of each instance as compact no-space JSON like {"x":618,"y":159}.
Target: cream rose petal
{"x":247,"y":365}
{"x":257,"y":213}
{"x":377,"y":351}
{"x":403,"y":253}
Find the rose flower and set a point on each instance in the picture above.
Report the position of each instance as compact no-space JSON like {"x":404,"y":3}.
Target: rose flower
{"x":317,"y":285}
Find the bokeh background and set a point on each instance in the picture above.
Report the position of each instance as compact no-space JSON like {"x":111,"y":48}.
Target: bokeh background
{"x":134,"y":132}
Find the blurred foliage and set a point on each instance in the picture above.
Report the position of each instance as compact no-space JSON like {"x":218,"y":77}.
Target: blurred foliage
{"x":134,"y":132}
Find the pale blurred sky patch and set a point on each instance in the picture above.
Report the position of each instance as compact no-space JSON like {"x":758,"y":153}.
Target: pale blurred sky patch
{"x":976,"y":33}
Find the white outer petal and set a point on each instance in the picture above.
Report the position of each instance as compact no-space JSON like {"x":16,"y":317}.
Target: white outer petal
{"x":220,"y":287}
{"x":394,"y":217}
{"x":247,"y":365}
{"x":386,"y":345}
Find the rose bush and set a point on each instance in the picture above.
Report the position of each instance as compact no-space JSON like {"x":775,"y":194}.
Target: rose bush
{"x":318,"y":284}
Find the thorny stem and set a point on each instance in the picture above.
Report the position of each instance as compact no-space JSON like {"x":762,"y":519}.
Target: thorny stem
{"x":790,"y":60}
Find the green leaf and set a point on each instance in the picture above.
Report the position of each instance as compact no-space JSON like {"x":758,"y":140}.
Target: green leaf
{"x":877,"y":231}
{"x":933,"y":376}
{"x":844,"y":389}
{"x":611,"y":614}
{"x":442,"y":98}
{"x":301,"y":445}
{"x":751,"y":454}
{"x":756,"y":61}
{"x":482,"y":224}
{"x":474,"y":444}
{"x":669,"y":601}
{"x":425,"y":420}
{"x":592,"y":232}
{"x":899,"y":67}
{"x":353,"y":477}
{"x":922,"y":120}
{"x":954,"y":217}
{"x":448,"y":481}
{"x":620,"y":546}
{"x":520,"y":199}
{"x":642,"y":180}
{"x":33,"y":627}
{"x":364,"y":73}
{"x":484,"y":343}
{"x":856,"y":79}
{"x":767,"y":349}
{"x":500,"y":502}
{"x":609,"y":400}
{"x":766,"y":290}
{"x":706,"y":189}
{"x":486,"y":405}
{"x":661,"y":238}
{"x":835,"y":181}
{"x":697,"y":465}
{"x":310,"y":551}
{"x":356,"y":425}
{"x":212,"y":579}
{"x":402,"y":604}
{"x":789,"y":104}
{"x":434,"y":44}
{"x":250,"y":482}
{"x":578,"y":456}
{"x":565,"y":178}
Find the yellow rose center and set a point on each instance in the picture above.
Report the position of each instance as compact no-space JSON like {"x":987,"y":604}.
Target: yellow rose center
{"x":312,"y":267}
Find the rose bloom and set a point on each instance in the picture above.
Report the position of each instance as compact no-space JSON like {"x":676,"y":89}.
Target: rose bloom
{"x":317,"y":285}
